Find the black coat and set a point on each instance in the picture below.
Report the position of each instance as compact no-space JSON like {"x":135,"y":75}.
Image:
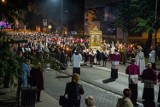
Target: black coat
{"x":63,"y":58}
{"x":74,"y":91}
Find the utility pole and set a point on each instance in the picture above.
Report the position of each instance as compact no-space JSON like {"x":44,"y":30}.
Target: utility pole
{"x":61,"y":25}
{"x":155,"y":29}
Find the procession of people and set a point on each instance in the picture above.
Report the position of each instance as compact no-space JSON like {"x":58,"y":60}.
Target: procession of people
{"x":68,"y":48}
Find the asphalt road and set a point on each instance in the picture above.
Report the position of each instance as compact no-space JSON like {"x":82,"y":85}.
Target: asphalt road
{"x":95,"y":81}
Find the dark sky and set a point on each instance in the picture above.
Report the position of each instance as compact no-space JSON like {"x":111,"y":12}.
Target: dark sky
{"x":73,"y":10}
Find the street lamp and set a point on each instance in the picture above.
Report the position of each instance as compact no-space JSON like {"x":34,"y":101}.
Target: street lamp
{"x":155,"y":29}
{"x":61,"y":17}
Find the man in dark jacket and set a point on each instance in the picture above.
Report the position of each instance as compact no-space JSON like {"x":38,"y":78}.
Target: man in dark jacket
{"x":74,"y":90}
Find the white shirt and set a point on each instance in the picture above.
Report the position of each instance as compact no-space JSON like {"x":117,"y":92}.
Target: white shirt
{"x":76,"y":60}
{"x":152,"y":56}
{"x":112,"y":50}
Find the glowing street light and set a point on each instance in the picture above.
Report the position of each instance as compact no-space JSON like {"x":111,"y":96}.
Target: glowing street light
{"x":3,"y":1}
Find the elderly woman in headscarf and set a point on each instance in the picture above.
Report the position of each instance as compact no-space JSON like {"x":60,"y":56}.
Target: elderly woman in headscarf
{"x":74,"y":90}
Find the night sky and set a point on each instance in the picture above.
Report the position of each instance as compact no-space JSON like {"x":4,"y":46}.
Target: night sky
{"x":73,"y":12}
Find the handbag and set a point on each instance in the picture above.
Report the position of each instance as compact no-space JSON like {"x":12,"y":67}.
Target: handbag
{"x":63,"y":101}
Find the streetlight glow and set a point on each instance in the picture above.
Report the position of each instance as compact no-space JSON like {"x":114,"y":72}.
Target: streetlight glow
{"x":3,"y":1}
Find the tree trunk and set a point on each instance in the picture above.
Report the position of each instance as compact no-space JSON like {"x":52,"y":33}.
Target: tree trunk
{"x":148,"y":45}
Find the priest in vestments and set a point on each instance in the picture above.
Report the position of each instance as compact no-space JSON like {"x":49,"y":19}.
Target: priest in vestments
{"x":133,"y":72}
{"x":149,"y":78}
{"x":115,"y":59}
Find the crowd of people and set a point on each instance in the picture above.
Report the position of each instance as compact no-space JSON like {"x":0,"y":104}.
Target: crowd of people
{"x":67,"y":44}
{"x":72,"y":49}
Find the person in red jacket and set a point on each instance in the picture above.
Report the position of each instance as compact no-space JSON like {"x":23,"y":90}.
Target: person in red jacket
{"x":133,"y":71}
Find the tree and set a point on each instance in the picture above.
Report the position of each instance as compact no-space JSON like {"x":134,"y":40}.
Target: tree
{"x":8,"y":60}
{"x":123,"y":19}
{"x":137,"y":17}
{"x":10,"y":10}
{"x":144,"y":16}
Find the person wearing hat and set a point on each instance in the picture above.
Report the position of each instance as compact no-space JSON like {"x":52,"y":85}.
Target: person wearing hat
{"x":133,"y":71}
{"x":74,"y":90}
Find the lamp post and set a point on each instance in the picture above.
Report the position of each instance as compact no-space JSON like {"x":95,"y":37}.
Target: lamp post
{"x":61,"y":23}
{"x":155,"y":29}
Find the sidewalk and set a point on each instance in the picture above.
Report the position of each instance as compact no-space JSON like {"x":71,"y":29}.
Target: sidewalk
{"x":8,"y":99}
{"x":47,"y":101}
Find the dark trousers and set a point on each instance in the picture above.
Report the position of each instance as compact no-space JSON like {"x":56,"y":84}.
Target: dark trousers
{"x":104,"y":62}
{"x":149,"y":104}
{"x":153,"y":66}
{"x":76,"y":70}
{"x":159,"y":95}
{"x":38,"y":95}
{"x":148,"y":94}
{"x":134,"y":94}
{"x":18,"y":89}
{"x":114,"y":73}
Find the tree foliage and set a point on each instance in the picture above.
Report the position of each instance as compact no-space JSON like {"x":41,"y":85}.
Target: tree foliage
{"x":136,"y":16}
{"x":9,"y":64}
{"x":10,"y":59}
{"x":10,"y":10}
